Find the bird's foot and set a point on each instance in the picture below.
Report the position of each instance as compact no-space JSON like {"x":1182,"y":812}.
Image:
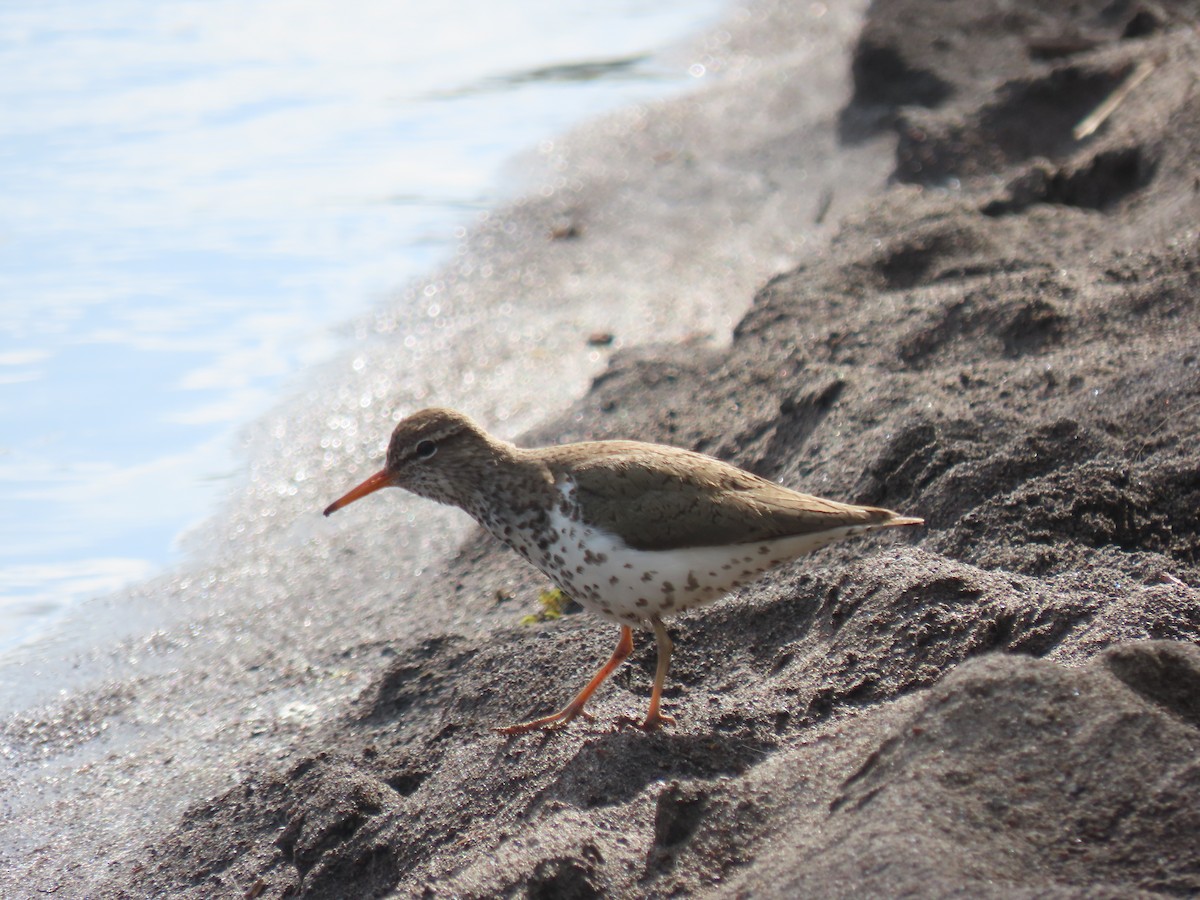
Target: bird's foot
{"x":650,"y":723}
{"x":551,"y":722}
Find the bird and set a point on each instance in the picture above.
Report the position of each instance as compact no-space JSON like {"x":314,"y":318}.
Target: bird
{"x":632,"y":531}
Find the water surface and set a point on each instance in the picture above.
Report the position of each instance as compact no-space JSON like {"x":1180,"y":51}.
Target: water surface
{"x":195,"y":194}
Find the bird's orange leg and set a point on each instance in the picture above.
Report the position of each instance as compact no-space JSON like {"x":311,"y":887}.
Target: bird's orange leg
{"x":654,"y":716}
{"x":575,"y":707}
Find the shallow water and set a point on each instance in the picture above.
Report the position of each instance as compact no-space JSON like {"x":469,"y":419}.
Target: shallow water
{"x":197,"y":194}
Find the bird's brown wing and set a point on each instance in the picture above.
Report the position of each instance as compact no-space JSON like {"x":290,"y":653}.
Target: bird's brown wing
{"x":663,"y":499}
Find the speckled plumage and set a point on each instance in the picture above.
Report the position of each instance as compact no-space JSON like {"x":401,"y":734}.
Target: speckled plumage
{"x":634,"y":532}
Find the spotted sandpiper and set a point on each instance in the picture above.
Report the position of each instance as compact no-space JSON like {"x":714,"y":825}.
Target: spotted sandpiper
{"x":633,"y":531}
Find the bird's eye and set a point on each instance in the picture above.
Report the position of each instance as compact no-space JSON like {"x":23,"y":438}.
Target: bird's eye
{"x":426,"y":449}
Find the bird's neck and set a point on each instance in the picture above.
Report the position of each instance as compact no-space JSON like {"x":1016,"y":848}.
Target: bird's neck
{"x":509,"y":482}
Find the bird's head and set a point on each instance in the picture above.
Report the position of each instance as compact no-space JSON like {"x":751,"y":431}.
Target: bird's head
{"x":436,"y":453}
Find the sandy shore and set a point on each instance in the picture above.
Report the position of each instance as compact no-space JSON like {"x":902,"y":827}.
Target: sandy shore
{"x":875,"y":261}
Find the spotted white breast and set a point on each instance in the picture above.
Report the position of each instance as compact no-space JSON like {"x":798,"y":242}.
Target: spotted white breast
{"x":630,"y":586}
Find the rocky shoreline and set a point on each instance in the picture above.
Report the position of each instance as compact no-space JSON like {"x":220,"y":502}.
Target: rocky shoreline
{"x":1003,"y":337}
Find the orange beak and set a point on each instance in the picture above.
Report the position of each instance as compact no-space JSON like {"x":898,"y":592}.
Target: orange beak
{"x":379,"y":480}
